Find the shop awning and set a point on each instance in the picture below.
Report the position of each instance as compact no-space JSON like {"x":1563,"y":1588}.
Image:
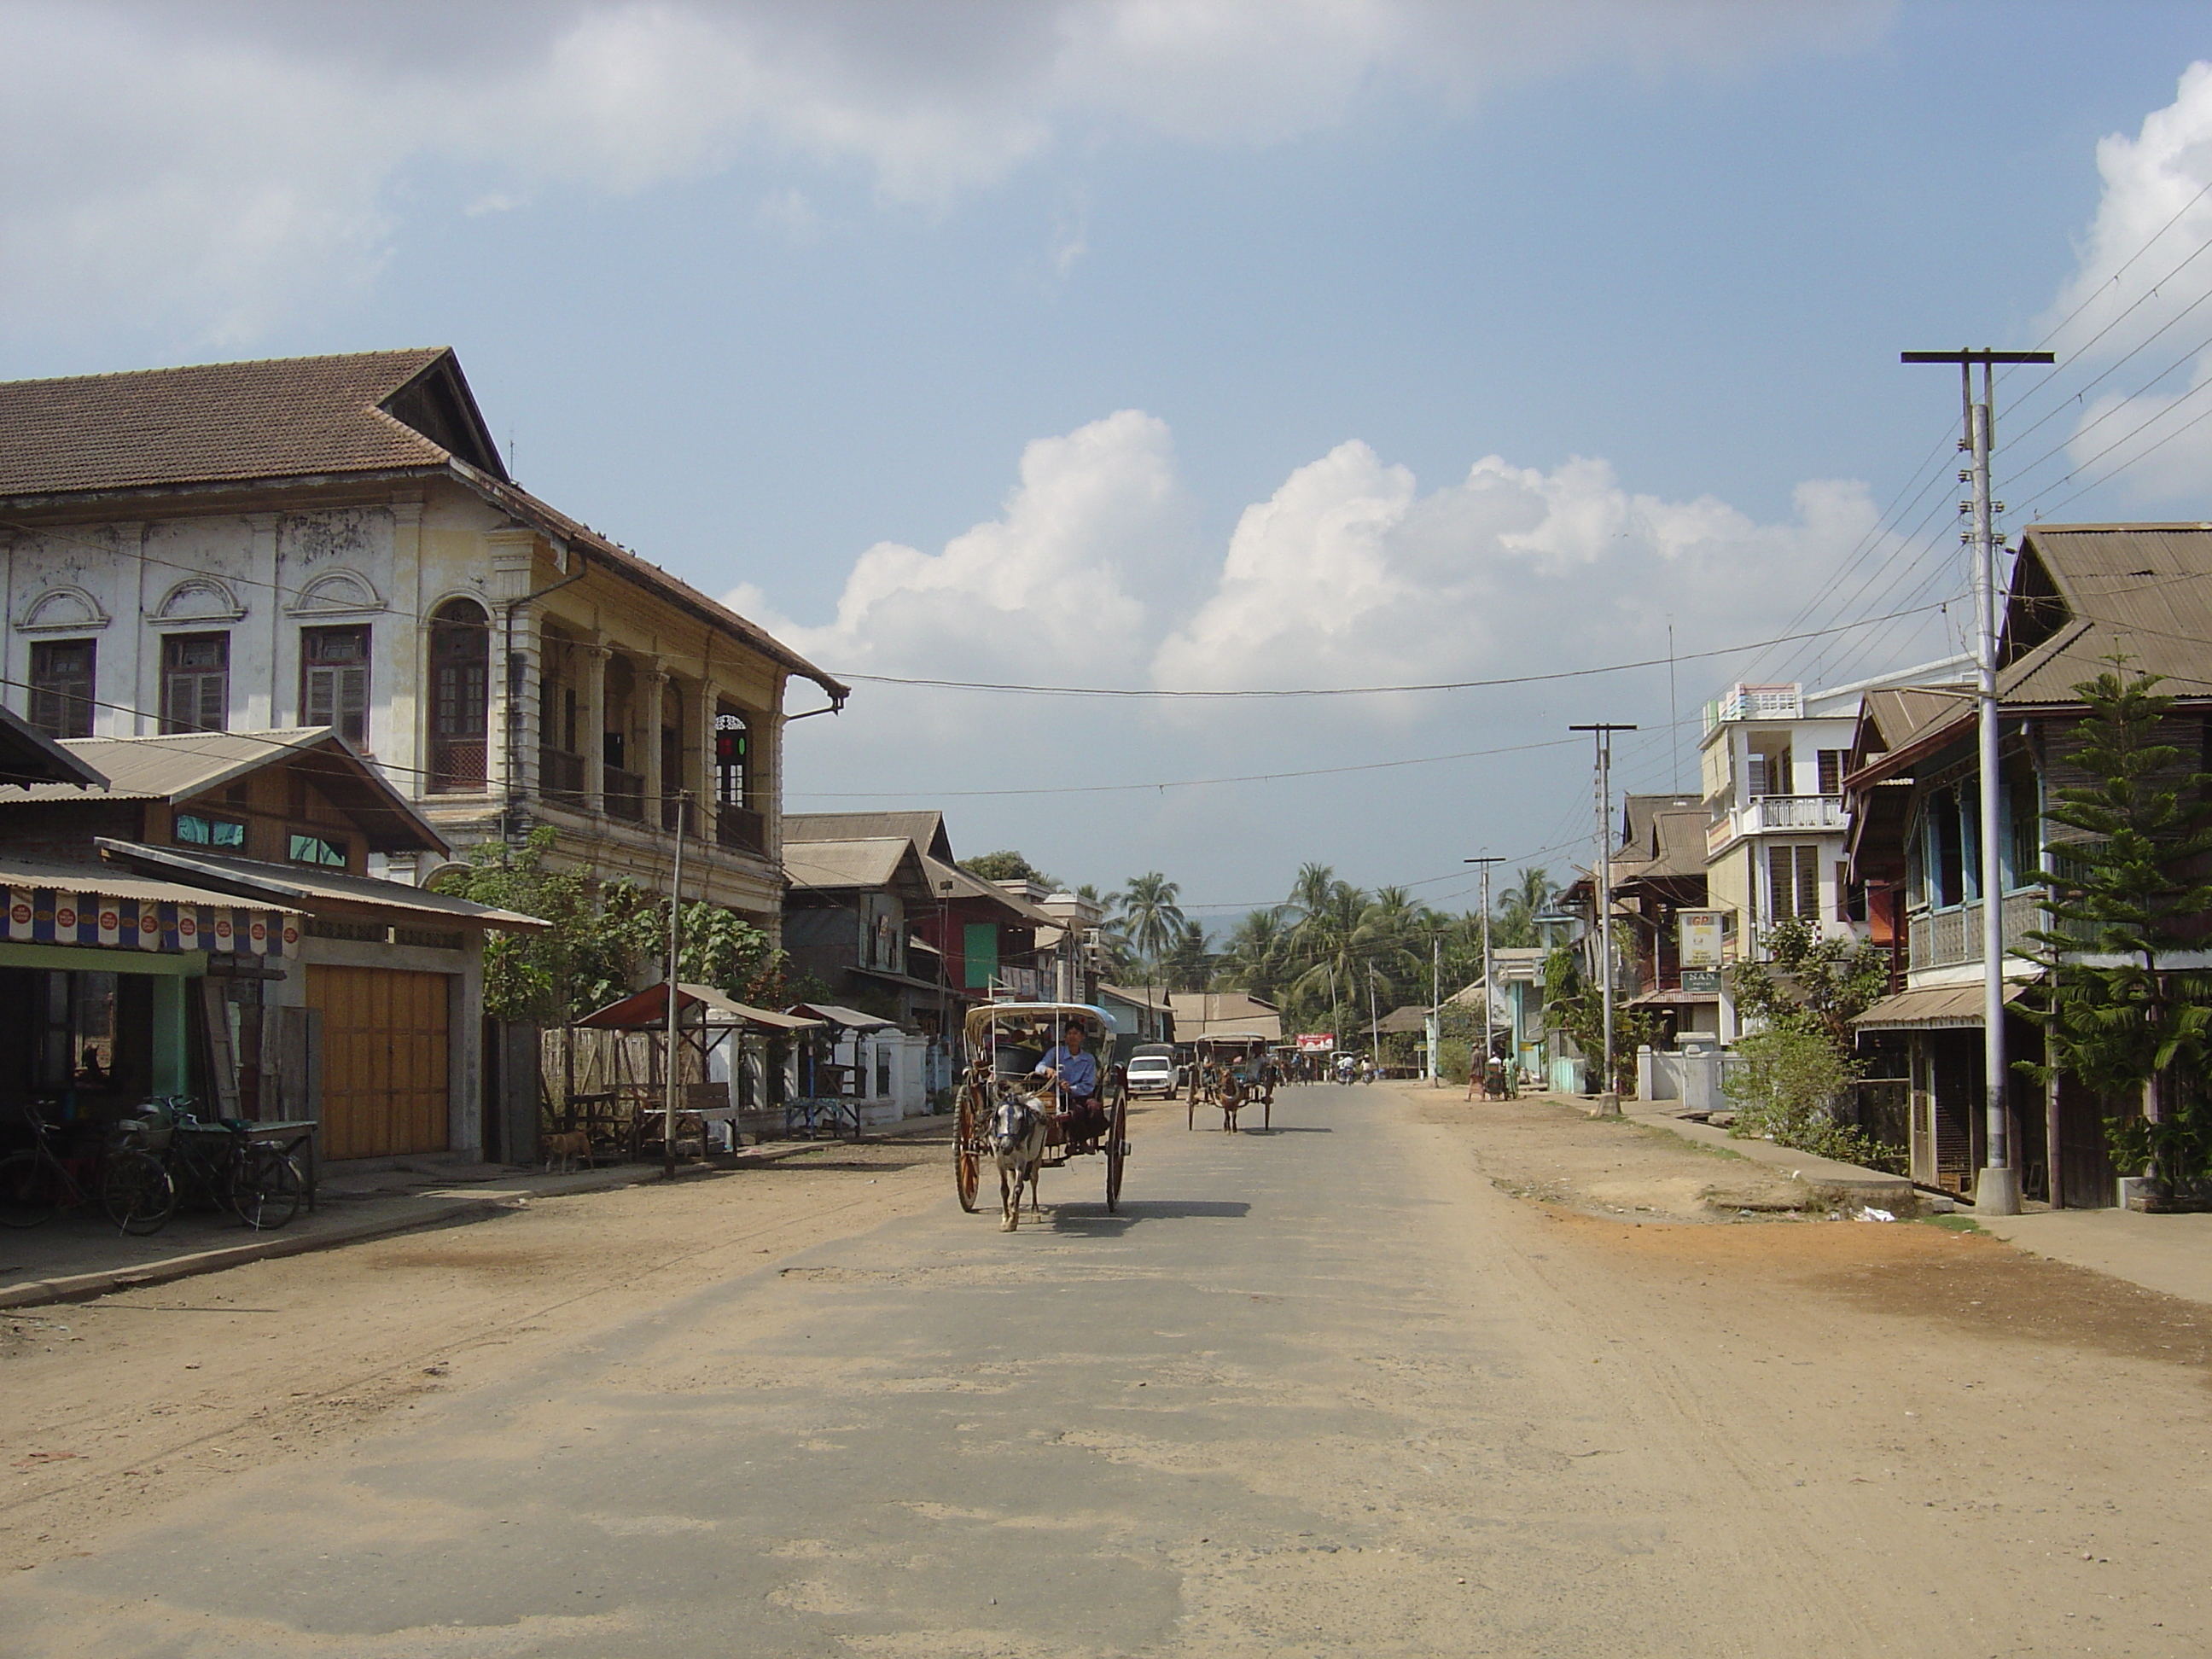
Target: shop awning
{"x":313,"y":888}
{"x":1674,"y":999}
{"x":696,"y":1005}
{"x":70,"y":905}
{"x":851,"y":1019}
{"x":1932,"y":1008}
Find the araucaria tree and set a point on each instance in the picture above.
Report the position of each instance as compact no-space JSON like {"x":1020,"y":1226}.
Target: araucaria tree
{"x":2127,"y":894}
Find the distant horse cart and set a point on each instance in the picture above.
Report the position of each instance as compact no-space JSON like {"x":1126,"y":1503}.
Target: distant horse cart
{"x":1232,"y":1070}
{"x":1018,"y":1121}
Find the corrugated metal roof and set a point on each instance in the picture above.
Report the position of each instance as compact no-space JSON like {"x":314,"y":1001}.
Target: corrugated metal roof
{"x":2144,"y":591}
{"x":114,"y":883}
{"x":826,"y":865}
{"x":851,"y":1018}
{"x":925,"y":829}
{"x":1931,"y":1008}
{"x":182,"y":764}
{"x":949,"y":880}
{"x":305,"y":885}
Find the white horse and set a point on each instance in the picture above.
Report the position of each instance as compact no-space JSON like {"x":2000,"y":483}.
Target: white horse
{"x":1019,"y":1132}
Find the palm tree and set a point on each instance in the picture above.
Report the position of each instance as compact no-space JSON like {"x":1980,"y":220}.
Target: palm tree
{"x":1255,"y":952}
{"x":1189,"y":967}
{"x":1325,"y":940}
{"x":1151,"y":919}
{"x":1531,"y":893}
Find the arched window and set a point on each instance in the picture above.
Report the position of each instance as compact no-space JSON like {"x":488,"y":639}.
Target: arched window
{"x":460,"y":697}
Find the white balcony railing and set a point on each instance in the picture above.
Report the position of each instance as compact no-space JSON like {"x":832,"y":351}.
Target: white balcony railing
{"x":1797,"y":812}
{"x":1764,"y":814}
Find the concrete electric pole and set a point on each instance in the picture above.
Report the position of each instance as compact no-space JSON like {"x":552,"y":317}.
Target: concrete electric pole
{"x":1998,"y":1191}
{"x":1482,"y":1062}
{"x":1608,"y":1096}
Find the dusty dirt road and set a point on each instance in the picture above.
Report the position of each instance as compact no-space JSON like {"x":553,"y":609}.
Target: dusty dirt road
{"x":1337,"y":1388}
{"x":109,"y":1409}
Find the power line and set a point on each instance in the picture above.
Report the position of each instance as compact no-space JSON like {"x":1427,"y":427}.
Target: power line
{"x":1173,"y":783}
{"x":1351,"y":690}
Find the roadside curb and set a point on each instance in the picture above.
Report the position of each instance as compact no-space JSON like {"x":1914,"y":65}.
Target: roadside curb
{"x":445,"y":1209}
{"x":78,"y":1287}
{"x":1839,"y":1184}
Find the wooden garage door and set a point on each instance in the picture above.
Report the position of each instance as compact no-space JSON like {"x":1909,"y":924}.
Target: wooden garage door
{"x":385,"y":1082}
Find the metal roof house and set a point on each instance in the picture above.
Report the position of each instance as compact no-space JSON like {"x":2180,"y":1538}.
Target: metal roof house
{"x":2080,"y":596}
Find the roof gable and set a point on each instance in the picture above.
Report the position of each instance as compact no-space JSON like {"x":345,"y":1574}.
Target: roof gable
{"x":179,"y":765}
{"x":923,"y":827}
{"x":2081,"y":594}
{"x":280,"y":417}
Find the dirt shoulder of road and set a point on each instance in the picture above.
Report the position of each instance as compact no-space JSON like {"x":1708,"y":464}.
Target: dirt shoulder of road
{"x":1537,"y":1148}
{"x":1669,"y":1209}
{"x":111,"y":1406}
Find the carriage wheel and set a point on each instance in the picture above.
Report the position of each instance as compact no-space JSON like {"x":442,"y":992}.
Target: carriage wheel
{"x":1190,"y":1117}
{"x":1117,"y":1148}
{"x":1268,"y":1108}
{"x":967,"y":1162}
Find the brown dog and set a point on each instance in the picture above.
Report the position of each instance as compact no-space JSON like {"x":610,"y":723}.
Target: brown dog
{"x":566,"y":1148}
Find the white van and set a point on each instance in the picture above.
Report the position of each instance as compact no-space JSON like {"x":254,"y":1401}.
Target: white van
{"x":1153,"y":1070}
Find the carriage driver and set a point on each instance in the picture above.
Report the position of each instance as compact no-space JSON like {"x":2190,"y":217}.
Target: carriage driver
{"x":1075,"y":1074}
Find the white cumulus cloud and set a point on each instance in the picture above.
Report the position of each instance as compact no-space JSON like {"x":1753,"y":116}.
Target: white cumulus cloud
{"x":1350,"y":575}
{"x":216,"y":165}
{"x":2134,"y":325}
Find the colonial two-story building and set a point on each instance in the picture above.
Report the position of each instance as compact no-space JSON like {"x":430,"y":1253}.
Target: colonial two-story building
{"x":335,"y":542}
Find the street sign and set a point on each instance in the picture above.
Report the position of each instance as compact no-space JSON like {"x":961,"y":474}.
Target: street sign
{"x":1699,"y":938}
{"x":1701,"y":979}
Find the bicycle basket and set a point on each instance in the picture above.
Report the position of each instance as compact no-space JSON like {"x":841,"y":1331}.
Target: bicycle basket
{"x":143,"y":1134}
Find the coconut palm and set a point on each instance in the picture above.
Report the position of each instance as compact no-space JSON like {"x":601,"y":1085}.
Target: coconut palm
{"x":1189,"y":965}
{"x":1256,"y":952}
{"x":1151,"y":919}
{"x":1514,"y":922}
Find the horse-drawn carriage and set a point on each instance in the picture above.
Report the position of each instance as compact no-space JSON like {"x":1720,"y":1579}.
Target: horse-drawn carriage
{"x":1021,"y":1120}
{"x":1231,"y":1071}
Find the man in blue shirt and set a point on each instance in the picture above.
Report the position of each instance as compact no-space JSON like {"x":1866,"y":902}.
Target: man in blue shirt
{"x":1075,"y":1075}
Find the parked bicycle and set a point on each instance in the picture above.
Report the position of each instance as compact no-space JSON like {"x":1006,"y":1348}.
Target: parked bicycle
{"x":220,"y":1164}
{"x":129,"y":1182}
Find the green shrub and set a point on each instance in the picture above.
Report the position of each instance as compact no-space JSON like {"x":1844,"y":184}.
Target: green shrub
{"x":1783,"y":1083}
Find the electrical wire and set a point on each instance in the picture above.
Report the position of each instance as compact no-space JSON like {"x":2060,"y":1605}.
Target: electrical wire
{"x":1204,"y":693}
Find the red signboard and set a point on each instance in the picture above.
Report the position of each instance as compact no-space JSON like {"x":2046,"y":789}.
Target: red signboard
{"x":1316,"y":1043}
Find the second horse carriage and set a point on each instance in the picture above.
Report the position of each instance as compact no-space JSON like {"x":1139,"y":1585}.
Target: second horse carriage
{"x":1231,"y":1071}
{"x":1023,"y":1119}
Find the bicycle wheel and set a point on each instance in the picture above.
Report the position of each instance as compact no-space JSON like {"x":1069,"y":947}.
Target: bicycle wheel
{"x":30,"y":1190}
{"x":268,"y":1188}
{"x":137,"y":1193}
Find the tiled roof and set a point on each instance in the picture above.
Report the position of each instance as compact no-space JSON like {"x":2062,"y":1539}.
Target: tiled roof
{"x":213,"y":423}
{"x":279,"y":419}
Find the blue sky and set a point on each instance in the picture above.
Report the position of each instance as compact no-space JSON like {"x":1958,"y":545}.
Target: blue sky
{"x":1070,"y":311}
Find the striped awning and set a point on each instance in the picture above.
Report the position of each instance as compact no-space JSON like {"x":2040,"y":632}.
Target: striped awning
{"x":50,"y":904}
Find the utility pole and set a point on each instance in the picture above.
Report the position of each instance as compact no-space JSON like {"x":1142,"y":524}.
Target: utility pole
{"x":675,"y":949}
{"x":1998,"y":1191}
{"x":1489,"y":1017}
{"x":1436,"y":1004}
{"x":1608,"y":1096}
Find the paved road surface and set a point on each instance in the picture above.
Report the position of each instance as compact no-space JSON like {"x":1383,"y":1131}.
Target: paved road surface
{"x":1318,"y":1391}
